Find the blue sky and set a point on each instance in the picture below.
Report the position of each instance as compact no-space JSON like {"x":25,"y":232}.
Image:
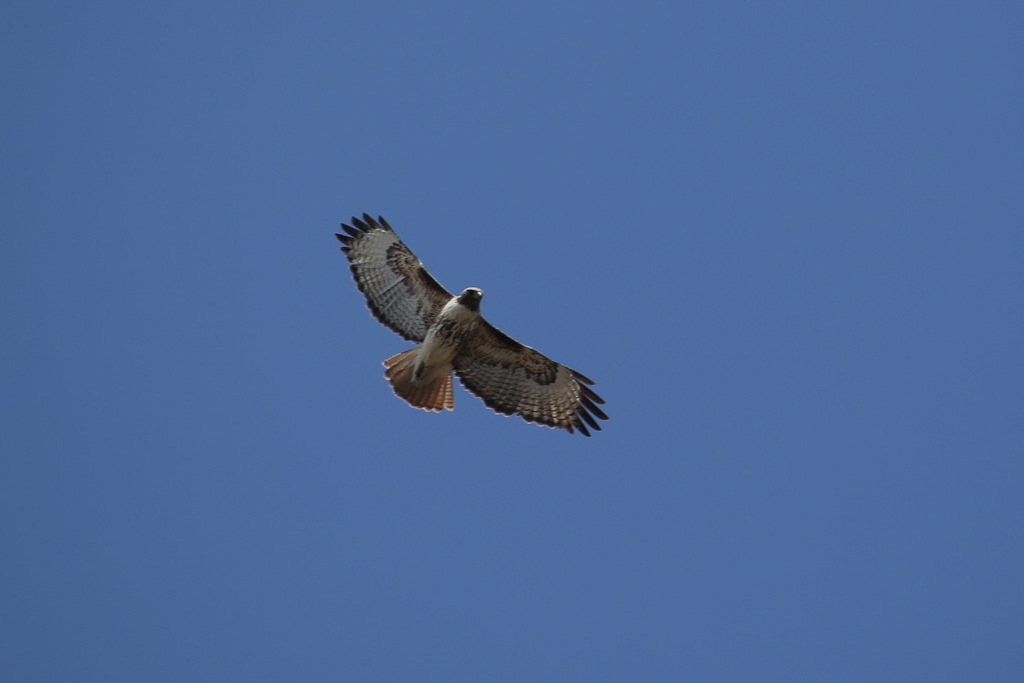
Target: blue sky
{"x":785,"y":240}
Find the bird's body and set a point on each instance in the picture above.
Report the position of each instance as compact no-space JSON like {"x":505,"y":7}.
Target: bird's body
{"x":423,"y":374}
{"x":454,"y":324}
{"x":510,"y":377}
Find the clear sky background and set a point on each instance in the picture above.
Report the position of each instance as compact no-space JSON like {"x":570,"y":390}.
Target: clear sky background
{"x":785,"y":239}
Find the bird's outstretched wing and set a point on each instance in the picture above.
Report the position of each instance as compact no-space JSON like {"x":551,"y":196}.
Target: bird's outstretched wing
{"x":514,"y":379}
{"x":399,"y":290}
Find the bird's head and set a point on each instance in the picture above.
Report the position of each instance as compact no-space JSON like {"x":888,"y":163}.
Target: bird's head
{"x":470,"y":298}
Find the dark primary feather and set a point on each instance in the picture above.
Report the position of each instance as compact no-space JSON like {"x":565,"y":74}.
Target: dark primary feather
{"x":361,"y":227}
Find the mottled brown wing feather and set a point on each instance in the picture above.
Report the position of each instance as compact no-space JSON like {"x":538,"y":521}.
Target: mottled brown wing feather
{"x":399,"y":290}
{"x":514,"y":379}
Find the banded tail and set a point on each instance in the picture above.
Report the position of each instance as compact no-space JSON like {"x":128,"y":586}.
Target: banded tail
{"x":430,"y":393}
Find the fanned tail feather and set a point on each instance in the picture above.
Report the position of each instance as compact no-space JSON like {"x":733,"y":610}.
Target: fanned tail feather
{"x":434,"y":393}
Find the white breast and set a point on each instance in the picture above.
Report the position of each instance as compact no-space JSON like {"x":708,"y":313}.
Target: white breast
{"x":452,"y":325}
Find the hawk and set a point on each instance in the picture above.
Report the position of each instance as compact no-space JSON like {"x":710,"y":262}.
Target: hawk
{"x":511,"y":378}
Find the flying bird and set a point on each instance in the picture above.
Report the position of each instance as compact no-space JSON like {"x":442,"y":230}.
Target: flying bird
{"x":511,"y":378}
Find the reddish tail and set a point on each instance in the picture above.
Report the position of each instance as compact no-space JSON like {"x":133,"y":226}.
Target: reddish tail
{"x":429,"y":393}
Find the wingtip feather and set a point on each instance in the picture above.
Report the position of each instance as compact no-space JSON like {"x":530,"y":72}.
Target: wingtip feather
{"x":591,"y":394}
{"x":588,"y":419}
{"x":580,"y":377}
